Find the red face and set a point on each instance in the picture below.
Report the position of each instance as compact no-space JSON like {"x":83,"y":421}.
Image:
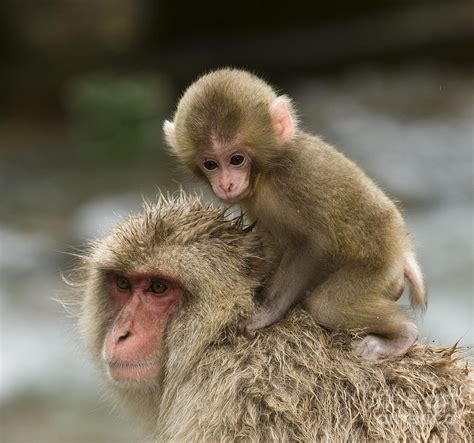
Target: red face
{"x":228,"y":172}
{"x":142,"y":305}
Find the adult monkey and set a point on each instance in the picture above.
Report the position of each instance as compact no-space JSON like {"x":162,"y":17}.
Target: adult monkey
{"x":161,"y":296}
{"x":344,"y":246}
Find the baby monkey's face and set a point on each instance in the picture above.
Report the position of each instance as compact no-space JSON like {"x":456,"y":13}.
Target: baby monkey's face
{"x":228,"y":171}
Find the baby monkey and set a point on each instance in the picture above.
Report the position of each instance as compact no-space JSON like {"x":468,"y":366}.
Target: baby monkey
{"x":343,"y":245}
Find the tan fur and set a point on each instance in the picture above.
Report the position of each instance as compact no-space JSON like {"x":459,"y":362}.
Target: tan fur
{"x":343,"y":243}
{"x":293,"y":381}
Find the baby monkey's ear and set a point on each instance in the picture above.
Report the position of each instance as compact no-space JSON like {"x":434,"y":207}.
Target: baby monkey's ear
{"x":283,"y":122}
{"x":170,"y":134}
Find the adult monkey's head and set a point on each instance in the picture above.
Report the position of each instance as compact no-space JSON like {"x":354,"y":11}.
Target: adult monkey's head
{"x":144,"y":283}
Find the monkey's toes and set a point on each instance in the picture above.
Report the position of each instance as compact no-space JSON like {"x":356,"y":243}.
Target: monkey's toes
{"x":244,"y":329}
{"x":370,"y":347}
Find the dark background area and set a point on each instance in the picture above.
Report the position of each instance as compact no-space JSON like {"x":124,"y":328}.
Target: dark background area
{"x":46,"y":42}
{"x":84,"y":88}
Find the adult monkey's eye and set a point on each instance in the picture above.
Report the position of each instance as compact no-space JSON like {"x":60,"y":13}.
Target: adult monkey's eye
{"x":158,"y":287}
{"x":237,"y":159}
{"x":210,"y":165}
{"x":122,"y":283}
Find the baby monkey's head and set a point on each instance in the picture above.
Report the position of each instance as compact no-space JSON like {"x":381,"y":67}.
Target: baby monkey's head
{"x":229,"y":127}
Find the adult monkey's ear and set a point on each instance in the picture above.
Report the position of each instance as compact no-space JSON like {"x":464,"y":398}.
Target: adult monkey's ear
{"x":283,"y":121}
{"x":170,"y":134}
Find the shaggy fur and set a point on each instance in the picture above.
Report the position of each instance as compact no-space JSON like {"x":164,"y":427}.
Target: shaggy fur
{"x":293,"y":381}
{"x":297,"y":382}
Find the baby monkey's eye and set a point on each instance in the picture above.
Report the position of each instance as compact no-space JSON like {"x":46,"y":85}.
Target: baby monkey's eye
{"x":158,"y":287}
{"x":210,"y":165}
{"x":237,"y":159}
{"x":122,"y":283}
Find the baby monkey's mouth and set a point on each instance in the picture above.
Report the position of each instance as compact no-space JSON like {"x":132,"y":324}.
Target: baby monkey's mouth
{"x":234,"y":196}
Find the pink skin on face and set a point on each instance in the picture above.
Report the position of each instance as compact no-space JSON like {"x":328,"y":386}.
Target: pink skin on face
{"x":228,"y":171}
{"x":143,"y":305}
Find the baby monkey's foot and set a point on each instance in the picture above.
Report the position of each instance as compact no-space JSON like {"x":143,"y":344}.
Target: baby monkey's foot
{"x":373,"y":346}
{"x":242,"y":328}
{"x":258,"y":320}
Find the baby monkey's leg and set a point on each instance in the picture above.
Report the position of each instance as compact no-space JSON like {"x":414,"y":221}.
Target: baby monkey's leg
{"x":356,"y":298}
{"x":287,"y":285}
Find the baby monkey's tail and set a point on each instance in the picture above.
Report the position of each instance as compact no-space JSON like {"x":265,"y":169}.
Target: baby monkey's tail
{"x":414,"y":276}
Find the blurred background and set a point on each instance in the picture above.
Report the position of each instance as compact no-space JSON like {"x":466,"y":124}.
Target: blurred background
{"x":84,"y":88}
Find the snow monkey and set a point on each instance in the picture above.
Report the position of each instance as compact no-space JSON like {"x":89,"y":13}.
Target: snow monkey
{"x":343,"y":245}
{"x":160,"y":298}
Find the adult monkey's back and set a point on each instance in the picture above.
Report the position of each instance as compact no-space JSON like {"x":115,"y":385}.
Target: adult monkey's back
{"x":343,"y":244}
{"x":161,"y":296}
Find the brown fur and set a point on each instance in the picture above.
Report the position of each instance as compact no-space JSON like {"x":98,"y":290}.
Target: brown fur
{"x":293,"y":381}
{"x":218,"y":107}
{"x":343,"y":243}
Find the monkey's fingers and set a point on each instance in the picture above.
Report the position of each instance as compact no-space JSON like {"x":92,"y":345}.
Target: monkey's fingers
{"x":243,"y":329}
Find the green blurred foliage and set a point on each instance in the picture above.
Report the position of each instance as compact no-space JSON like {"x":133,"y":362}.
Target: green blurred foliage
{"x":117,"y":118}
